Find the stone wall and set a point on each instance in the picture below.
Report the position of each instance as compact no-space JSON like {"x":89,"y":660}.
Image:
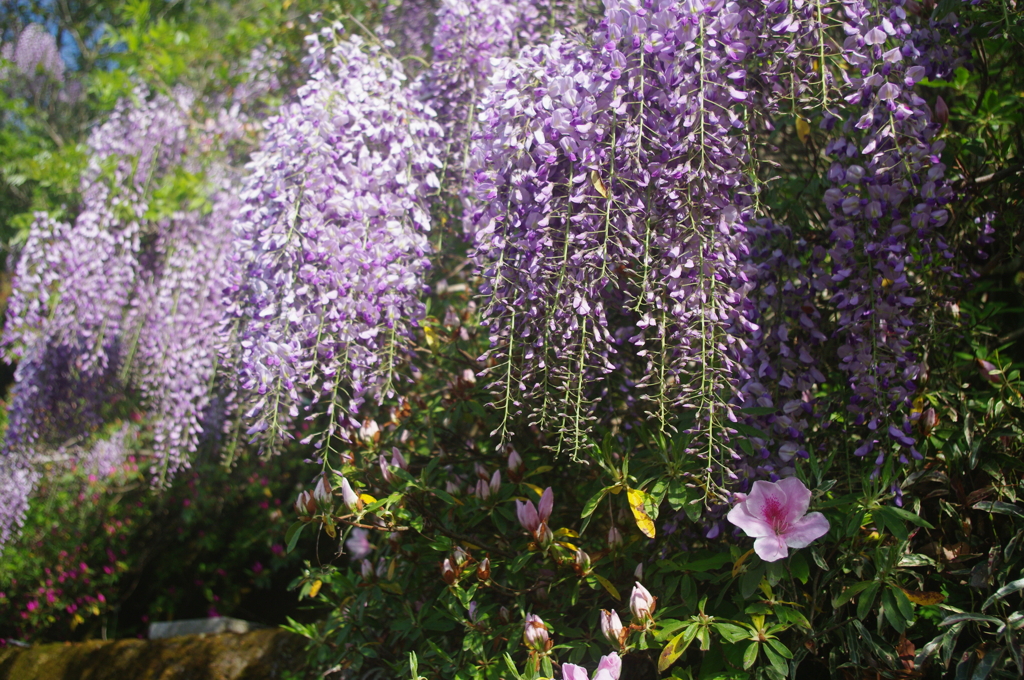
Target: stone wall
{"x":269,"y":654}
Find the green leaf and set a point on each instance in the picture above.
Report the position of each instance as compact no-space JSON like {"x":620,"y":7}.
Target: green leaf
{"x":732,"y":632}
{"x":867,"y":600}
{"x":777,"y":662}
{"x":903,"y":603}
{"x":750,"y":655}
{"x":891,"y":612}
{"x":999,"y":507}
{"x":444,"y":495}
{"x":792,"y":617}
{"x":782,"y":649}
{"x":1011,"y":587}
{"x":512,"y":667}
{"x":799,"y":567}
{"x":291,"y":537}
{"x":674,"y":649}
{"x":591,"y":505}
{"x":851,"y":592}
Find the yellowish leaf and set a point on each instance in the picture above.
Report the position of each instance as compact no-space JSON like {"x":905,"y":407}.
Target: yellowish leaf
{"x":608,"y":586}
{"x":367,"y":498}
{"x":803,"y":129}
{"x":536,"y":489}
{"x":636,"y":504}
{"x":315,"y":588}
{"x":598,"y":183}
{"x":924,"y":598}
{"x":740,"y":561}
{"x":428,"y":330}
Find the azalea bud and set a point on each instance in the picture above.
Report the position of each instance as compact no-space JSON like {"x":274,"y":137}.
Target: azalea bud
{"x":546,"y":504}
{"x":535,"y":633}
{"x":483,"y":570}
{"x":504,"y":616}
{"x":543,"y":535}
{"x":369,"y":432}
{"x":322,"y":491}
{"x":358,"y":544}
{"x":515,"y":466}
{"x":389,"y":477}
{"x":526,"y":512}
{"x":460,"y":556}
{"x":611,"y":626}
{"x":304,"y":504}
{"x":366,"y":570}
{"x":452,"y":488}
{"x":352,"y":500}
{"x":398,"y":460}
{"x":929,"y":419}
{"x":483,"y":491}
{"x":614,"y":538}
{"x":638,"y":573}
{"x":941,"y":111}
{"x":641,"y":603}
{"x":481,"y":471}
{"x":989,"y":371}
{"x":582,"y":565}
{"x":495,"y":483}
{"x":473,"y":611}
{"x":448,"y":571}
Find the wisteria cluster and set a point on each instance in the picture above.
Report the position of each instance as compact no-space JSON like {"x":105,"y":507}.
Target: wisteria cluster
{"x":331,"y":247}
{"x":628,"y":265}
{"x":887,"y":203}
{"x":126,"y":300}
{"x":615,"y":214}
{"x":35,"y":53}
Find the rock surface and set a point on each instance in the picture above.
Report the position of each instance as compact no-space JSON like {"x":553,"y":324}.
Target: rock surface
{"x":216,"y":624}
{"x":269,"y":654}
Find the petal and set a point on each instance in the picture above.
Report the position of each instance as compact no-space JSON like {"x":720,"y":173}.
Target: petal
{"x":798,"y":497}
{"x":755,"y":527}
{"x":611,"y":665}
{"x":771,"y":548}
{"x":760,"y":495}
{"x":546,"y":504}
{"x":808,"y":529}
{"x":571,"y":671}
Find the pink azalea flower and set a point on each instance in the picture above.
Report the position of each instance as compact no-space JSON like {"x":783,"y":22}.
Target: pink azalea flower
{"x":775,"y":514}
{"x":608,"y":669}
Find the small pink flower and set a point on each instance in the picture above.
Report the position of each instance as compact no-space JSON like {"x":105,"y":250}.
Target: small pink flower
{"x":775,"y":514}
{"x":611,"y":626}
{"x":535,"y":633}
{"x":608,"y":669}
{"x":641,"y":602}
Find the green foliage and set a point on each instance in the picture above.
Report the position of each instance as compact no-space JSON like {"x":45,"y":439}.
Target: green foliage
{"x":103,"y":552}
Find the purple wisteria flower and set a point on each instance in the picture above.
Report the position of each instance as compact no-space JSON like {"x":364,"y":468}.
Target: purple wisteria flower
{"x":124,"y":303}
{"x":611,"y":229}
{"x":331,"y":244}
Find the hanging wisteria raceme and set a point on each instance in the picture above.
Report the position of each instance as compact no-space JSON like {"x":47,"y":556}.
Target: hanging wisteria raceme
{"x":331,"y":247}
{"x":409,"y":25}
{"x":124,"y":305}
{"x":35,"y":54}
{"x":887,"y":203}
{"x":616,"y":203}
{"x":73,"y":284}
{"x":176,"y":319}
{"x":18,"y":481}
{"x":467,"y":37}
